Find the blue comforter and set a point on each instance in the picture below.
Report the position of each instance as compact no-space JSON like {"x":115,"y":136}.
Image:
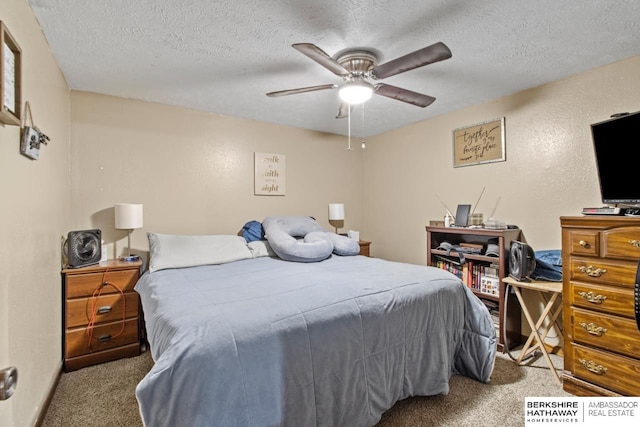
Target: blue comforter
{"x":267,"y":342}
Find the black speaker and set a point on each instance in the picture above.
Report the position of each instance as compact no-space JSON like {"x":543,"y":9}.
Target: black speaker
{"x":83,"y":247}
{"x":522,"y":261}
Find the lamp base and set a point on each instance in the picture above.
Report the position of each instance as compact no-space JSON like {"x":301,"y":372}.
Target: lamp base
{"x":129,"y":258}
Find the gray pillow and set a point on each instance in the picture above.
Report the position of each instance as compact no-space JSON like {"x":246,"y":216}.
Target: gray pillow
{"x":343,"y":245}
{"x":281,"y":232}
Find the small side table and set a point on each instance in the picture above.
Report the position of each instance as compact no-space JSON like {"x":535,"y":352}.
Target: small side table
{"x":551,"y":313}
{"x":364,"y":247}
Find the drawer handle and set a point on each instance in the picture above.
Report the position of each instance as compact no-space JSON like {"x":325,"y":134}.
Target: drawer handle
{"x":583,"y":243}
{"x":103,"y":338}
{"x":104,"y":309}
{"x":591,"y":271}
{"x":635,"y":243}
{"x":593,"y":329}
{"x":592,"y":366}
{"x":591,"y":297}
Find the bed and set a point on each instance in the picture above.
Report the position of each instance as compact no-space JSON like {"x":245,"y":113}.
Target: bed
{"x":259,"y":341}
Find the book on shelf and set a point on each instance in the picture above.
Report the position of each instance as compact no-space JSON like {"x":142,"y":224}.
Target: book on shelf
{"x":494,"y":311}
{"x":489,"y":279}
{"x":477,"y":275}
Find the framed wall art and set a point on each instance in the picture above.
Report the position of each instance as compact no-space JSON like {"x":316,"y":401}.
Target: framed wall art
{"x":10,"y":94}
{"x":480,"y":143}
{"x":270,"y":174}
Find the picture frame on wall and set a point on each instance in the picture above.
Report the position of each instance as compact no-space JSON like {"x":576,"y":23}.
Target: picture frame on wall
{"x":270,"y":174}
{"x":10,"y":75}
{"x":479,"y":143}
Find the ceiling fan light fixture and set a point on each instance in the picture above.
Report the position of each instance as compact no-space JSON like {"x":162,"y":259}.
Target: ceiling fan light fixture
{"x":355,"y":92}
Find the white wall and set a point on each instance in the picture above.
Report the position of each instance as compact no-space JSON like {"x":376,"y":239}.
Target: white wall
{"x":33,"y":217}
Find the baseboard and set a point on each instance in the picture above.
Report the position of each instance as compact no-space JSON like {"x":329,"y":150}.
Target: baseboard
{"x":47,"y":401}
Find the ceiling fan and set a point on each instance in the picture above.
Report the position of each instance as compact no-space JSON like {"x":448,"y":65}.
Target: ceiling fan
{"x":359,"y":69}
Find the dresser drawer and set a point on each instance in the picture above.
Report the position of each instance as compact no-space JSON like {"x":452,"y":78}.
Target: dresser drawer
{"x":619,"y":273}
{"x":105,"y":336}
{"x":612,"y":371}
{"x":83,"y":285}
{"x":584,"y":242}
{"x":107,"y":308}
{"x":608,"y":332}
{"x":622,"y":242}
{"x":608,"y":299}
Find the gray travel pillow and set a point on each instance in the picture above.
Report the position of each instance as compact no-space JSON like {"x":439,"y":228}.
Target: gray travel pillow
{"x":316,"y":244}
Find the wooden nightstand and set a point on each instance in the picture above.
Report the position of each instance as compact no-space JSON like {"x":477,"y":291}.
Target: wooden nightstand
{"x":101,"y":294}
{"x":364,"y":247}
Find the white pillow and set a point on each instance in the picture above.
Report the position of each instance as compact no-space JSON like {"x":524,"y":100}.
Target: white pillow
{"x":176,"y":251}
{"x":260,"y":248}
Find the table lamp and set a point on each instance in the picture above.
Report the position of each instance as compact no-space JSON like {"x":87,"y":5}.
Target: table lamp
{"x":128,"y":217}
{"x":336,"y":215}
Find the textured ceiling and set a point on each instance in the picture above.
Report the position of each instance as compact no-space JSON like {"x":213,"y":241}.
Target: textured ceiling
{"x":223,"y":56}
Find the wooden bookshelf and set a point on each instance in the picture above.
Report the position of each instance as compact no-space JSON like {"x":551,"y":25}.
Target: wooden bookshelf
{"x":507,"y":318}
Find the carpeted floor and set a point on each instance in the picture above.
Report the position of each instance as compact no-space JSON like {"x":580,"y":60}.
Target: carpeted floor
{"x":104,"y":395}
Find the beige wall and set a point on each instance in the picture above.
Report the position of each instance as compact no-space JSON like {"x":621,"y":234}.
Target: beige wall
{"x":194,"y":171}
{"x":34,"y":215}
{"x":549,"y":169}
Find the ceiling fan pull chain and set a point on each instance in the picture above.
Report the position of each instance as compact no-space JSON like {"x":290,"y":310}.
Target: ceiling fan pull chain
{"x":363,"y":144}
{"x":349,"y":127}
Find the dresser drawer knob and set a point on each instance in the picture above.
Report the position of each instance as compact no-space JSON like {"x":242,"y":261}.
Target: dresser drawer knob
{"x":583,"y":243}
{"x":635,"y":243}
{"x":592,"y":297}
{"x":103,"y":338}
{"x":592,"y":366}
{"x":593,"y":329}
{"x":104,"y":309}
{"x":592,"y":271}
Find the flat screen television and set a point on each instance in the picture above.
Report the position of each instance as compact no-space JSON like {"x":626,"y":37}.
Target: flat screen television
{"x":614,"y":142}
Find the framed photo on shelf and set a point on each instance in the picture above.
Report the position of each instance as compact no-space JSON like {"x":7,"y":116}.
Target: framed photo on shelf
{"x":10,"y":93}
{"x":480,"y":143}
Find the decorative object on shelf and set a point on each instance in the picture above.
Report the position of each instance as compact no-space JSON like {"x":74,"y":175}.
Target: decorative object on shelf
{"x":10,"y":93}
{"x":480,"y":143}
{"x":336,"y":215}
{"x":128,"y":216}
{"x":32,"y":137}
{"x":270,"y":174}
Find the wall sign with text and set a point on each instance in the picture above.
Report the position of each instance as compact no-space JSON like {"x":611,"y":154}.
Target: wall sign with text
{"x":479,"y":143}
{"x":270,"y":174}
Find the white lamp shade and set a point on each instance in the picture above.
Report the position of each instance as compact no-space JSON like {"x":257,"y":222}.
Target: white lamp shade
{"x":128,"y":215}
{"x":336,"y":211}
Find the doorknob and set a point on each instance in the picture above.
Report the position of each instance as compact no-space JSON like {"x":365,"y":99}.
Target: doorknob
{"x":8,"y":381}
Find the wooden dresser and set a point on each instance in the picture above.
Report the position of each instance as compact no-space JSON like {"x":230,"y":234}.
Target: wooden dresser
{"x":602,"y":343}
{"x":101,"y":295}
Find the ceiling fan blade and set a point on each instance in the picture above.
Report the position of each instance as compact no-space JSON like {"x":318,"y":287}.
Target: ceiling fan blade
{"x":321,"y":57}
{"x":301,"y":90}
{"x":404,"y":95}
{"x":425,"y":56}
{"x":343,"y":110}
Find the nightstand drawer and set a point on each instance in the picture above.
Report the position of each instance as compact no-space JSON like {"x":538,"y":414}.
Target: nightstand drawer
{"x":83,"y":285}
{"x":107,"y":308}
{"x":105,"y":336}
